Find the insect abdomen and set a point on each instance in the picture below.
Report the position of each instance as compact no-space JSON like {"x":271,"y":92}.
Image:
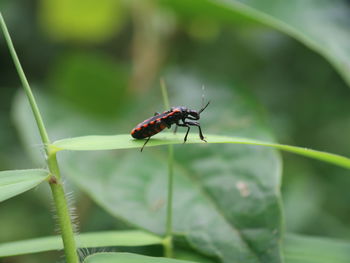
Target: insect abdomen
{"x":148,"y":129}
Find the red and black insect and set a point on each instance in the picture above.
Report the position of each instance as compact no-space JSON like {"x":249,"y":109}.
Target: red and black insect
{"x":176,"y":115}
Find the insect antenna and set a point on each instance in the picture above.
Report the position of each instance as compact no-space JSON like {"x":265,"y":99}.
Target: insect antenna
{"x":203,"y":95}
{"x":203,"y":107}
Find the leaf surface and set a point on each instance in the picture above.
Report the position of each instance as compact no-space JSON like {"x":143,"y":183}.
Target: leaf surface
{"x":86,"y":240}
{"x":307,"y":249}
{"x":15,"y":182}
{"x":124,"y":141}
{"x":129,"y":258}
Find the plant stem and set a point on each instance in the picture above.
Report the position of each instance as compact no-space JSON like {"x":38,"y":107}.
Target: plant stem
{"x":164,"y":94}
{"x":168,"y":240}
{"x":62,"y":209}
{"x":55,"y":179}
{"x":169,"y":222}
{"x":148,"y":44}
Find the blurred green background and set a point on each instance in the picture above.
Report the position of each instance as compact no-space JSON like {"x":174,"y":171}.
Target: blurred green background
{"x":95,"y":67}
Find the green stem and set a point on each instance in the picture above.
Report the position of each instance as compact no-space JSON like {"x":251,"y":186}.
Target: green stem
{"x":164,"y":94}
{"x":168,"y":240}
{"x":55,"y":180}
{"x":62,"y":209}
{"x":168,"y":246}
{"x":169,"y":222}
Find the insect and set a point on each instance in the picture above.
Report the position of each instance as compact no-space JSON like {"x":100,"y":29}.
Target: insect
{"x":180,"y":116}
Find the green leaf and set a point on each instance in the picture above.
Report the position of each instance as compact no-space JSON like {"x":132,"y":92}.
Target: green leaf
{"x":85,"y":240}
{"x":191,"y":255}
{"x":321,"y":26}
{"x":305,"y":249}
{"x":15,"y":182}
{"x":129,"y":258}
{"x":124,"y":141}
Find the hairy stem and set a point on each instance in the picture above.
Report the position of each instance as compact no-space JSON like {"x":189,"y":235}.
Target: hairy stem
{"x":62,"y":209}
{"x":55,"y":180}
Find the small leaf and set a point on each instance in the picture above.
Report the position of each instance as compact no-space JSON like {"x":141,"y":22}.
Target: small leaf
{"x":15,"y":182}
{"x":305,"y":249}
{"x":124,"y":141}
{"x":129,"y":258}
{"x":98,"y":239}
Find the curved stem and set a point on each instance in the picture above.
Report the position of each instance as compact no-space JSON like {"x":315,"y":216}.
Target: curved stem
{"x":33,"y":105}
{"x":55,"y":180}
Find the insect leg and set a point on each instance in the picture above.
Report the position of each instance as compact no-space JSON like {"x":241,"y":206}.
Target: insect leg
{"x":192,"y":118}
{"x":188,"y":130}
{"x":184,"y":125}
{"x":145,"y":143}
{"x":194,"y":123}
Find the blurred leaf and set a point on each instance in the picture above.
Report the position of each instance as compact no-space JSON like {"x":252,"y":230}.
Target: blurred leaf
{"x":85,"y":240}
{"x":129,"y":258}
{"x":137,"y":194}
{"x":320,"y":25}
{"x":15,"y":182}
{"x":92,"y":82}
{"x":305,"y":249}
{"x":81,"y":20}
{"x":299,"y":185}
